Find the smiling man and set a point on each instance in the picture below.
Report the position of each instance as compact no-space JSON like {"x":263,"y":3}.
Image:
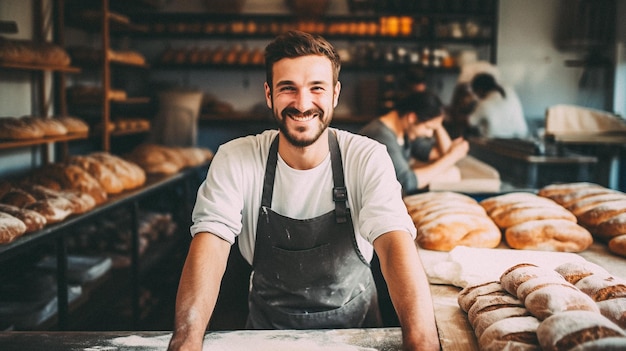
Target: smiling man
{"x":309,"y":205}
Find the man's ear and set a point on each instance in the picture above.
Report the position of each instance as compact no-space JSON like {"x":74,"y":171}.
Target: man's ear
{"x":268,"y":95}
{"x":337,"y":91}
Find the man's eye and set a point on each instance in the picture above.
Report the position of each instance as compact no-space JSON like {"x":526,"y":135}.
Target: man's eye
{"x":286,"y":89}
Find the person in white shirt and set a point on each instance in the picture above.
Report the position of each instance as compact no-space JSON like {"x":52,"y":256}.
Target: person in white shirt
{"x":309,"y":205}
{"x":498,"y":112}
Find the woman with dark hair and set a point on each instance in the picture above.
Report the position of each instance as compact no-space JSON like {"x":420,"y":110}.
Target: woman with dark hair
{"x":419,"y":146}
{"x":498,"y":113}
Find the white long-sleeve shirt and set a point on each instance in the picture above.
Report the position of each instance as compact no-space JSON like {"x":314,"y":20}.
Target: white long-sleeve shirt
{"x":500,"y":117}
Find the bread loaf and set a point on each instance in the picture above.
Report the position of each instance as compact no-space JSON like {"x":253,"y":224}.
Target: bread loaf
{"x":532,"y":284}
{"x":17,"y":197}
{"x":612,"y":227}
{"x":617,"y":245}
{"x":548,"y":235}
{"x":12,"y":128}
{"x":517,"y":216}
{"x":495,"y":202}
{"x":515,"y":333}
{"x":485,"y":319}
{"x":575,"y":271}
{"x":553,"y":299}
{"x":33,"y":220}
{"x":566,"y":330}
{"x":54,"y":210}
{"x":447,"y":232}
{"x":514,"y":276}
{"x":109,"y":181}
{"x":580,"y":206}
{"x":602,"y":212}
{"x":73,"y":124}
{"x":49,"y":126}
{"x":614,"y":310}
{"x":601,"y":288}
{"x":10,"y":228}
{"x":488,"y":303}
{"x":130,"y":174}
{"x":468,"y":295}
{"x":570,"y":198}
{"x":565,"y":188}
{"x":421,"y":199}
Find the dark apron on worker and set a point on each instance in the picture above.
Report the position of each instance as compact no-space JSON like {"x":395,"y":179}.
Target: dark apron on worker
{"x":310,"y":274}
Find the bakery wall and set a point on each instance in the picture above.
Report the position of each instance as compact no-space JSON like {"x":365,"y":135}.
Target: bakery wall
{"x":527,"y":57}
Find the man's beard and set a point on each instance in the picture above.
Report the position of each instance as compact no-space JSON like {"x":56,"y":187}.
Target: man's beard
{"x":294,"y":139}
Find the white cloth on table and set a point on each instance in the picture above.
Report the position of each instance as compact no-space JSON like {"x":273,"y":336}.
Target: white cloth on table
{"x":569,"y":119}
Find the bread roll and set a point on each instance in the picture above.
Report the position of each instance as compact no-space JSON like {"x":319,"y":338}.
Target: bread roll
{"x":446,"y":232}
{"x":515,"y":333}
{"x":575,"y":271}
{"x":54,"y":210}
{"x":513,"y":277}
{"x":554,"y":299}
{"x":601,"y":288}
{"x":33,"y":220}
{"x":617,"y":245}
{"x":10,"y":228}
{"x":614,"y":310}
{"x":532,"y":284}
{"x":548,"y":235}
{"x":488,"y":303}
{"x":602,"y":212}
{"x":467,"y":296}
{"x":566,"y":330}
{"x":49,"y":126}
{"x":487,"y":318}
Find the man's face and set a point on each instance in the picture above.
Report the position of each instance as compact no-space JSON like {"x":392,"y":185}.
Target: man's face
{"x":424,"y":129}
{"x":302,"y":97}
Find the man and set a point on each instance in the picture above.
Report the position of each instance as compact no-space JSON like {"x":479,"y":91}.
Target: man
{"x":416,"y":140}
{"x":304,"y":222}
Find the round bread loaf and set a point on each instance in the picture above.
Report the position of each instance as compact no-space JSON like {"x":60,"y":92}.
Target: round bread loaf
{"x":611,"y":227}
{"x":602,"y":212}
{"x":548,"y":235}
{"x":515,"y":333}
{"x":446,"y":232}
{"x":575,"y":271}
{"x":467,"y":296}
{"x":10,"y":228}
{"x":536,"y":283}
{"x":488,"y":303}
{"x":513,"y":277}
{"x":614,"y":310}
{"x":565,"y":188}
{"x":487,"y":318}
{"x":520,"y":215}
{"x":33,"y":220}
{"x":554,"y":299}
{"x":601,"y":288}
{"x":617,"y":245}
{"x":566,"y":330}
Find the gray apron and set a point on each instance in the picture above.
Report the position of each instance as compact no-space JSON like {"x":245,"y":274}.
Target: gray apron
{"x":310,"y":274}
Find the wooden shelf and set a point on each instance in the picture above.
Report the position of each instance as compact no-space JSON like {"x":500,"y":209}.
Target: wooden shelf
{"x":12,"y":144}
{"x":36,"y":67}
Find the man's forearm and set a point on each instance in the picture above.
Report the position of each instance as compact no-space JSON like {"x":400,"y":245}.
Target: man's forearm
{"x":198,"y":290}
{"x":409,"y":290}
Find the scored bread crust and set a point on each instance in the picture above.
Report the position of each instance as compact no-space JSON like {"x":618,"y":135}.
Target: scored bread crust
{"x":574,"y":271}
{"x":532,"y":284}
{"x":10,"y":228}
{"x":446,"y":232}
{"x":548,"y":235}
{"x":467,"y":296}
{"x":513,"y":277}
{"x":601,"y":288}
{"x":518,"y":331}
{"x":524,"y":214}
{"x":554,"y":299}
{"x":563,"y":331}
{"x":486,"y":318}
{"x":488,"y":303}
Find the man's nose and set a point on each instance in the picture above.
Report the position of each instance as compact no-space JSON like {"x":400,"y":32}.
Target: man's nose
{"x":304,"y":100}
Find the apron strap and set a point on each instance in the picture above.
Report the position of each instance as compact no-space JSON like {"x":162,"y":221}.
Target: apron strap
{"x":340,"y":193}
{"x":270,"y":172}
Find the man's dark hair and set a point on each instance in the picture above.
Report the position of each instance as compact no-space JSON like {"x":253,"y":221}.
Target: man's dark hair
{"x":484,"y":83}
{"x":426,"y":105}
{"x":294,"y":44}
